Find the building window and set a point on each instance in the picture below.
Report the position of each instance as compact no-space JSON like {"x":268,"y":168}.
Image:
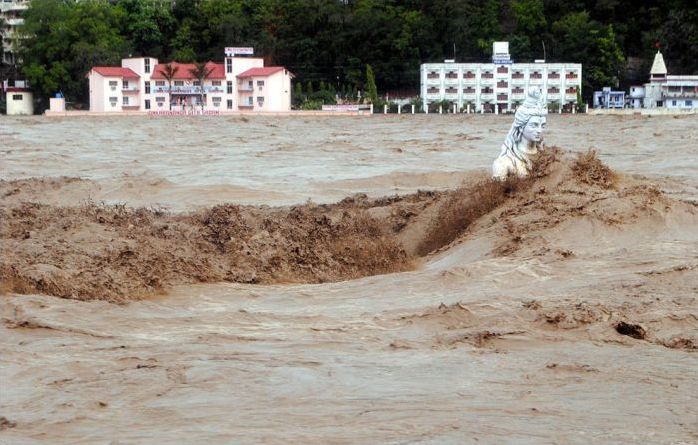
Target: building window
{"x":125,"y":100}
{"x":501,"y":97}
{"x":487,"y":75}
{"x":260,"y":101}
{"x":673,"y":103}
{"x":433,"y":75}
{"x":502,"y":70}
{"x":469,"y":75}
{"x":113,"y":100}
{"x":451,"y":75}
{"x":451,"y":90}
{"x":502,"y":84}
{"x":179,"y":83}
{"x":553,"y":75}
{"x":160,"y":101}
{"x":16,"y":97}
{"x":469,"y":90}
{"x":249,"y":85}
{"x":125,"y":84}
{"x":147,"y":104}
{"x":536,"y":75}
{"x":229,"y":88}
{"x":228,"y":65}
{"x":553,"y":90}
{"x":260,"y":83}
{"x":230,"y":104}
{"x":486,"y":90}
{"x":517,"y":75}
{"x":216,"y":101}
{"x":147,"y":65}
{"x":147,"y":88}
{"x":113,"y":84}
{"x":196,"y":83}
{"x":250,"y":101}
{"x":159,"y":83}
{"x":216,"y":83}
{"x":689,"y":103}
{"x":432,"y":90}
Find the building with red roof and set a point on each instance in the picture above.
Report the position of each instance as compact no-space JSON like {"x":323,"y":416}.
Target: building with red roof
{"x":143,"y":84}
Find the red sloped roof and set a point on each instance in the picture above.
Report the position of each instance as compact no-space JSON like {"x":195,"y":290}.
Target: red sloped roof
{"x":184,"y":71}
{"x":116,"y":71}
{"x":263,"y":71}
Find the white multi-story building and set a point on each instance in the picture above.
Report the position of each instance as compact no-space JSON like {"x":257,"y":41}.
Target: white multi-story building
{"x":140,"y":84}
{"x":502,"y":83}
{"x":669,"y":91}
{"x":11,"y":13}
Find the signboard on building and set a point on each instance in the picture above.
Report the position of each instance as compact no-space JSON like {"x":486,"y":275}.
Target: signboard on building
{"x":501,"y":61}
{"x":341,"y":107}
{"x":230,"y":51}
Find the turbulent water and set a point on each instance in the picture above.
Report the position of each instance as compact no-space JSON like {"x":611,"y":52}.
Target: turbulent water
{"x":569,"y":315}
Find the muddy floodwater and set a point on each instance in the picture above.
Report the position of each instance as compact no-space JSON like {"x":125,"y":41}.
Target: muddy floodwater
{"x":565,"y":314}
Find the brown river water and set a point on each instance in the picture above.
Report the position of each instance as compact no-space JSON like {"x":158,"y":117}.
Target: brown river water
{"x":568,"y":315}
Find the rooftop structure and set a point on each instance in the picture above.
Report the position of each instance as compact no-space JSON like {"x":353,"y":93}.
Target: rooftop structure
{"x":501,"y":84}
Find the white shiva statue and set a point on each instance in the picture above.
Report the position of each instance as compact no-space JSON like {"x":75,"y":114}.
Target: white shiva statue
{"x":525,"y":138}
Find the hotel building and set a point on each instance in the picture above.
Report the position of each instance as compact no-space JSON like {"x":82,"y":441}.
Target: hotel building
{"x":11,"y":13}
{"x":239,"y":83}
{"x":502,"y":83}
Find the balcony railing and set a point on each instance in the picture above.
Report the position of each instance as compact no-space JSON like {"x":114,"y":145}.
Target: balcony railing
{"x":681,"y":94}
{"x":130,"y":89}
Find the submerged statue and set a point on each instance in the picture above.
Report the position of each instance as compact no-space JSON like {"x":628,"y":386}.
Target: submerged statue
{"x":524,"y":140}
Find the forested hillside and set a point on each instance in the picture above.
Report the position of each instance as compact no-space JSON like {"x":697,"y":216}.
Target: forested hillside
{"x":332,"y":41}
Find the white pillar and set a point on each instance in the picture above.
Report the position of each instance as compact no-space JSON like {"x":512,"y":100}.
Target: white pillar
{"x":468,"y":108}
{"x":559,"y":110}
{"x":426,"y":109}
{"x":399,"y":109}
{"x":574,"y":108}
{"x":371,"y":108}
{"x":441,"y":109}
{"x":412,"y":109}
{"x":496,"y":108}
{"x":586,"y":108}
{"x":385,"y":109}
{"x":455,"y":108}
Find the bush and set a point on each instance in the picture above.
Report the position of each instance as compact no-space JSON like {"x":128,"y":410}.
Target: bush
{"x":311,"y":105}
{"x":325,"y":97}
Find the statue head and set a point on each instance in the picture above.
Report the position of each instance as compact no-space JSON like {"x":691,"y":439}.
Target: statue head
{"x":529,"y":122}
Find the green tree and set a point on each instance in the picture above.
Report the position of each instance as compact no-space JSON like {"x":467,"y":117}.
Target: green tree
{"x":595,"y":46}
{"x":201,"y":71}
{"x":309,"y":88}
{"x":169,"y":72}
{"x":62,"y":41}
{"x":297,"y":94}
{"x":371,"y":90}
{"x":150,"y":26}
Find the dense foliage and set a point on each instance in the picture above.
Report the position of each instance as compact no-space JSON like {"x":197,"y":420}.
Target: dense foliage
{"x":333,"y":41}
